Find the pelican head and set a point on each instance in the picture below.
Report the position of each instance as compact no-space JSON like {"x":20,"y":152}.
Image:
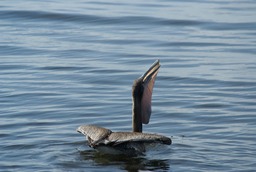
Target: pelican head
{"x":142,"y":94}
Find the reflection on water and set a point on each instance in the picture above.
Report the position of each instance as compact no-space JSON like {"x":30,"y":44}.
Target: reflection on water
{"x":124,"y":162}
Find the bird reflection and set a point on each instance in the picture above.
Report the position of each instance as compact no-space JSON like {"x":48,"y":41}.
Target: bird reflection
{"x":125,"y":162}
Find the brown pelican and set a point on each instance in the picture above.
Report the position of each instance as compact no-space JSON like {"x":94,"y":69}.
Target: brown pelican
{"x":142,"y":89}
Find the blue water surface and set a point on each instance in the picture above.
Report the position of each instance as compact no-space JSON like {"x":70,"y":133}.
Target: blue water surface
{"x":68,"y":63}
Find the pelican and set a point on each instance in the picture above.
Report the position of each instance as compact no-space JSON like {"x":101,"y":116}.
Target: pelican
{"x":99,"y":137}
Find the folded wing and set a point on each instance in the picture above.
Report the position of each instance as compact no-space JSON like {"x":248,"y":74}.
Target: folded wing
{"x":102,"y":136}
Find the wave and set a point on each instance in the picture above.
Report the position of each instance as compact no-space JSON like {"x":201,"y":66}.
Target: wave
{"x":121,"y":20}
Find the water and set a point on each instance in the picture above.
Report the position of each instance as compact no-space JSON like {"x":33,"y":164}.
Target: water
{"x":64,"y":64}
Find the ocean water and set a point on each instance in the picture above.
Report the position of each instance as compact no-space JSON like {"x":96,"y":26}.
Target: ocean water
{"x":68,"y":63}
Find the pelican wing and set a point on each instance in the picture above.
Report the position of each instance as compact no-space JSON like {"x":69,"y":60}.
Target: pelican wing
{"x":117,"y":138}
{"x":148,"y":84}
{"x":94,"y":133}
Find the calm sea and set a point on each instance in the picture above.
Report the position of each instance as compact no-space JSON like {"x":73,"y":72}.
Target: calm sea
{"x":68,"y":63}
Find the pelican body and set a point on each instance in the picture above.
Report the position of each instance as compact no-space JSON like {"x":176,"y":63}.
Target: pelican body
{"x":99,"y":137}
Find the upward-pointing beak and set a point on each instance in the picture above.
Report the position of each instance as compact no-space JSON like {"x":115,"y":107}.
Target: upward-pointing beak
{"x":148,"y":81}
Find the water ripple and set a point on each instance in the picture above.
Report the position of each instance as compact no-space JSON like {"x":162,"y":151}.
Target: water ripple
{"x":67,"y":64}
{"x":122,"y":20}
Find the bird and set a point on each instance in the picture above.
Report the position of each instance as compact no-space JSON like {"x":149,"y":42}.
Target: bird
{"x":130,"y":142}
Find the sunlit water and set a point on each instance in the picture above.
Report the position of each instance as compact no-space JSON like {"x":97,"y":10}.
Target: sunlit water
{"x":67,"y":63}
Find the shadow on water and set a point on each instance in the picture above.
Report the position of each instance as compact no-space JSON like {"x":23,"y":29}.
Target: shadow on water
{"x":124,"y":162}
